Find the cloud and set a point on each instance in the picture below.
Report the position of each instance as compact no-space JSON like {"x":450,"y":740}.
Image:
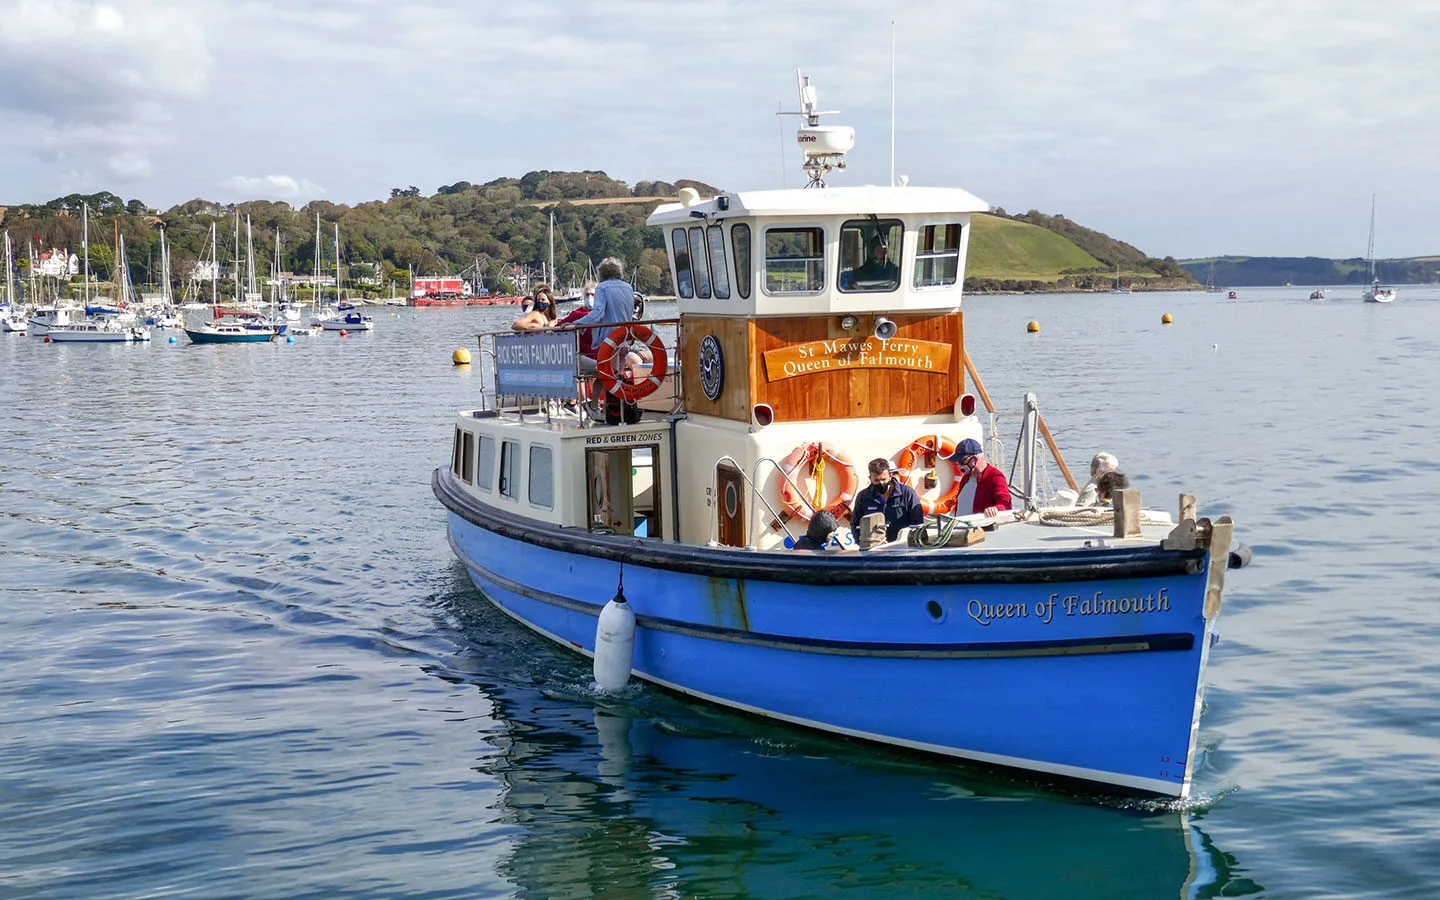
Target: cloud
{"x":273,"y":187}
{"x":94,"y":83}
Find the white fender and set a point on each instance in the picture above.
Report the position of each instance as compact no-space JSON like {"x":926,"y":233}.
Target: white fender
{"x":614,"y":644}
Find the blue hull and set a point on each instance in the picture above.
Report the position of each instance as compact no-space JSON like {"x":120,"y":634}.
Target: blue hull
{"x":202,"y":337}
{"x":1005,"y":659}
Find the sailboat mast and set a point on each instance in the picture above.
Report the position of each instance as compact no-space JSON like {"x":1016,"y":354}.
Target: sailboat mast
{"x":9,"y":273}
{"x":1370,"y":246}
{"x":337,"y":262}
{"x":251,"y":288}
{"x":214,"y":272}
{"x":165,"y":297}
{"x":316,"y":294}
{"x":85,"y":247}
{"x":120,"y":296}
{"x":551,"y":280}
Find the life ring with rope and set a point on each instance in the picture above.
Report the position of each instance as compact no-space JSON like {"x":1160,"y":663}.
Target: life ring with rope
{"x":930,"y":450}
{"x":624,"y":383}
{"x":814,"y":456}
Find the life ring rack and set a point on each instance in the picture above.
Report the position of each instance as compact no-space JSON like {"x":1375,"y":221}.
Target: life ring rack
{"x":811,"y":455}
{"x":920,"y":449}
{"x":606,"y":359}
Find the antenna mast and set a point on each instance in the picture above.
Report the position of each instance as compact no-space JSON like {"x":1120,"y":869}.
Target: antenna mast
{"x":892,"y":102}
{"x":824,"y":146}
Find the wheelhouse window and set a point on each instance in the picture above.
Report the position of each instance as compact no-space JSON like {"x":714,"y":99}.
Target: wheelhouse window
{"x":740,"y":243}
{"x":485,"y":471}
{"x":542,"y":476}
{"x":684,"y":277}
{"x":697,"y":259}
{"x":455,"y":451}
{"x":794,"y":260}
{"x":719,"y":277}
{"x":937,"y":255}
{"x":870,"y":254}
{"x":510,"y":469}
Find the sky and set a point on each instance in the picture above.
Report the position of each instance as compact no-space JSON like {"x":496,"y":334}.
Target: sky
{"x":1187,"y":129}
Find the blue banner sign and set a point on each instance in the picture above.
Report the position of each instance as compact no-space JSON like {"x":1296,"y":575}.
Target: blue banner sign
{"x":535,"y":364}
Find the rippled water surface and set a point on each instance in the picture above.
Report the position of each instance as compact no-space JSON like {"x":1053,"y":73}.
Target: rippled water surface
{"x":240,"y":660}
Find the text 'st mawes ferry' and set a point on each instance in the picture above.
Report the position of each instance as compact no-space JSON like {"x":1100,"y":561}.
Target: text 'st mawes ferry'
{"x":1063,"y":641}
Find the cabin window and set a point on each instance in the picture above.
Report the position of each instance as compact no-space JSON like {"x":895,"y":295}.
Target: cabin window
{"x":455,"y":451}
{"x":467,"y":458}
{"x":697,"y":259}
{"x":740,"y":243}
{"x":485,"y":471}
{"x":794,"y":260}
{"x":870,"y":254}
{"x":510,"y":469}
{"x":684,"y":278}
{"x":542,"y":476}
{"x":937,"y":255}
{"x":719,"y":277}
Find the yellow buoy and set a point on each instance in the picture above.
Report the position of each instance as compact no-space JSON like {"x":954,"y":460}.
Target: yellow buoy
{"x":1166,"y":319}
{"x":1033,"y":327}
{"x":461,"y":357}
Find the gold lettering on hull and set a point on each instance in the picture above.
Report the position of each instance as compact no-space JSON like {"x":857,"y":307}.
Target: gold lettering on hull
{"x":813,"y":357}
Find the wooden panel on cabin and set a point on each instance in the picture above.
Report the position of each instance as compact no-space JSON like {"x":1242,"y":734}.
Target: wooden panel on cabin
{"x":850,"y":392}
{"x":732,"y":332}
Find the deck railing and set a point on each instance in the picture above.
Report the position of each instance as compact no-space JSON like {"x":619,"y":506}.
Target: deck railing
{"x":544,"y":372}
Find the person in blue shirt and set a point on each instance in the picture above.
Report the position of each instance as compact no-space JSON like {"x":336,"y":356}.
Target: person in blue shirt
{"x":889,"y":495}
{"x":614,"y":305}
{"x":614,"y":301}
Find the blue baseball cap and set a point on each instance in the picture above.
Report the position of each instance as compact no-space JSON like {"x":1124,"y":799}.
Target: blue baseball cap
{"x":967,"y":447}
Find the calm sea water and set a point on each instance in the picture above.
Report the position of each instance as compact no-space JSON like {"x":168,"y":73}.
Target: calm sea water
{"x":238,"y":658}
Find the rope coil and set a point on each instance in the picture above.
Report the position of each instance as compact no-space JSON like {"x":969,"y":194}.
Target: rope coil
{"x":1096,"y":516}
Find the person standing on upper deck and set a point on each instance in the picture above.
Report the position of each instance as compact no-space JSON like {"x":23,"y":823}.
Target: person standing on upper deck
{"x":614,"y":299}
{"x":990,"y":491}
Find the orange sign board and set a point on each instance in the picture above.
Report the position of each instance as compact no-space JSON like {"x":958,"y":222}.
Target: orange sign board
{"x":814,"y":357}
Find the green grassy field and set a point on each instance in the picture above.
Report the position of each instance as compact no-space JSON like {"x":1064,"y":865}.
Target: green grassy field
{"x":1003,"y":248}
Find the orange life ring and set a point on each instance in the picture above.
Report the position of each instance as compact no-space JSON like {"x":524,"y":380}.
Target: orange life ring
{"x":808,"y":455}
{"x":622,"y":384}
{"x":922,"y":449}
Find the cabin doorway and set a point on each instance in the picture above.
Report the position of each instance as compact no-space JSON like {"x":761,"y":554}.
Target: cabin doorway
{"x":623,"y":492}
{"x":731,"y":505}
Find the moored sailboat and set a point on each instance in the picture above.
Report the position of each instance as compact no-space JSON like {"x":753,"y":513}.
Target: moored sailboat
{"x":223,"y":328}
{"x":1377,"y":293}
{"x":1071,"y":642}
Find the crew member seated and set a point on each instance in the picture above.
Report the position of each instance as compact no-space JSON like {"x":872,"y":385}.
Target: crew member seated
{"x":877,"y":273}
{"x":817,"y":534}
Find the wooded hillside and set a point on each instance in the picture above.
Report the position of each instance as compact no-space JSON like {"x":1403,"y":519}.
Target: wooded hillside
{"x":499,"y":230}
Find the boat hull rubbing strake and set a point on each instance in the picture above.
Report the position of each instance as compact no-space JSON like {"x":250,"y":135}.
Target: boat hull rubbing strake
{"x":1070,"y":667}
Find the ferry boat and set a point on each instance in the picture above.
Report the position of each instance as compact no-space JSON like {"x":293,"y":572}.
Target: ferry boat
{"x":1064,"y":641}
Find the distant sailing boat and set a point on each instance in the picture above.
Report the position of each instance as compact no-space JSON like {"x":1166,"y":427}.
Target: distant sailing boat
{"x":1117,"y":289}
{"x":1376,"y":294}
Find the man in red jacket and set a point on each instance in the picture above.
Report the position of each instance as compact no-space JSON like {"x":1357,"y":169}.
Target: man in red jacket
{"x":991,"y":492}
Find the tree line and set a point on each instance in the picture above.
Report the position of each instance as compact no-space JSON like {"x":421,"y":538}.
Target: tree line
{"x":489,"y":228}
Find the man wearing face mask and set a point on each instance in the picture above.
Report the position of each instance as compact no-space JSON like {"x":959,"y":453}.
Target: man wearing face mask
{"x":980,"y":480}
{"x":889,"y":495}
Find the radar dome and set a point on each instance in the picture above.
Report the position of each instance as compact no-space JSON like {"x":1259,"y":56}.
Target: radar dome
{"x":824,"y":140}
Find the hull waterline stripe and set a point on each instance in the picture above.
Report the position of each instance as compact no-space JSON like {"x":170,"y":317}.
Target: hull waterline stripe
{"x":990,"y":650}
{"x":888,"y":568}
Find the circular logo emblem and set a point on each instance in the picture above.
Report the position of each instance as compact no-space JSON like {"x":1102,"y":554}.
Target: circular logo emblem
{"x":712,"y":367}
